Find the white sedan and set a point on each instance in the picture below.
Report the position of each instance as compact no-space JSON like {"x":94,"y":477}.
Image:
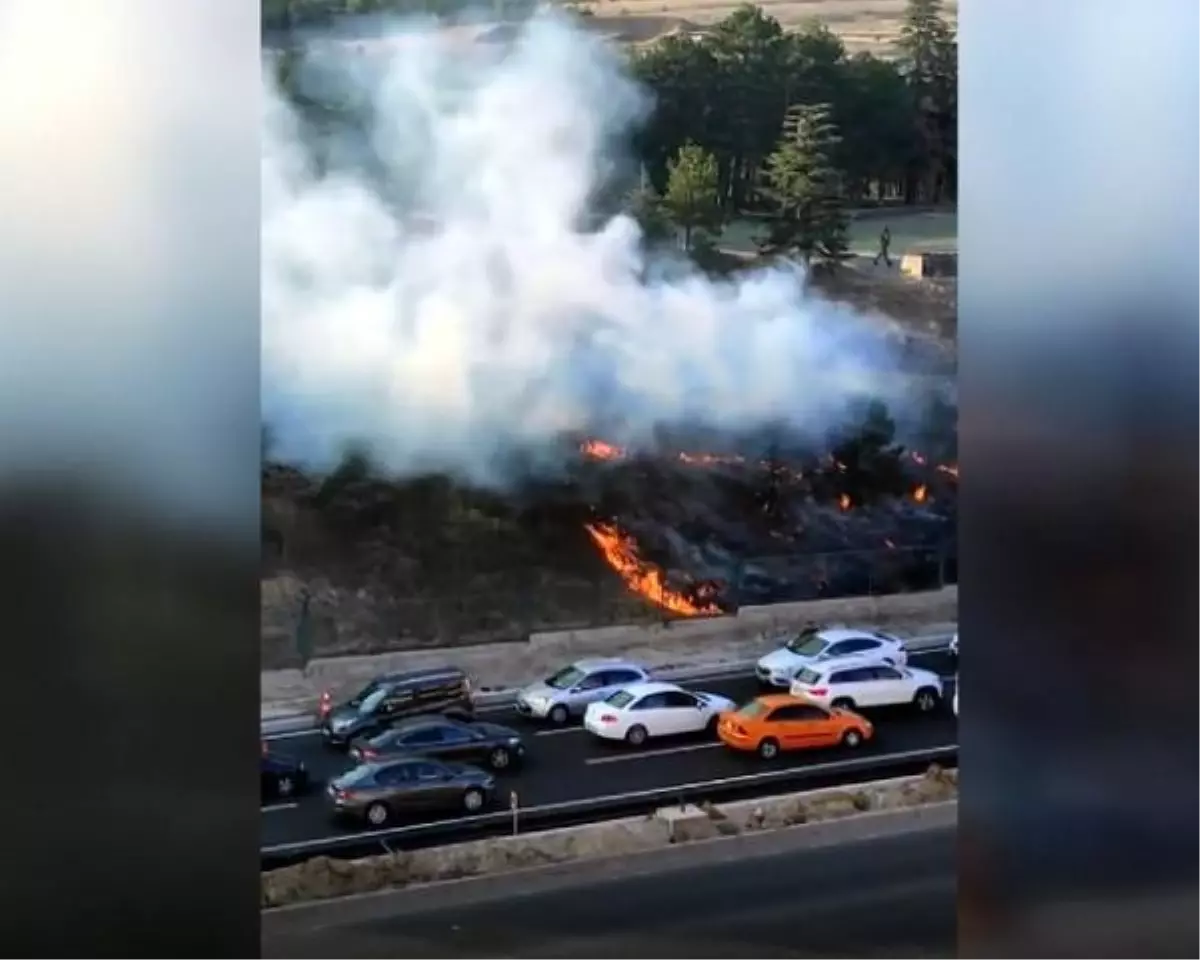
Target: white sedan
{"x":643,"y":710}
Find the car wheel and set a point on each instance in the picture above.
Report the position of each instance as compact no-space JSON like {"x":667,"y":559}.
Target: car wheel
{"x":636,"y":736}
{"x":473,"y":800}
{"x":852,"y":738}
{"x":843,"y":703}
{"x":377,"y":814}
{"x":499,"y":758}
{"x":926,"y":699}
{"x":768,"y":749}
{"x":559,"y":715}
{"x":285,"y":786}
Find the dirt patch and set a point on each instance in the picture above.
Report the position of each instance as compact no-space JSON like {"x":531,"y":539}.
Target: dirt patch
{"x":926,"y":306}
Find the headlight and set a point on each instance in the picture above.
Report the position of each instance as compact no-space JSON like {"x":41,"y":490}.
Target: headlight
{"x":514,"y":741}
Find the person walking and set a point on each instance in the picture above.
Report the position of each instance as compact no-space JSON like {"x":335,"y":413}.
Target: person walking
{"x":885,"y":241}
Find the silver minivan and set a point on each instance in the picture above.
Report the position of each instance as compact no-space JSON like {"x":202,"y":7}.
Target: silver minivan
{"x":568,"y":692}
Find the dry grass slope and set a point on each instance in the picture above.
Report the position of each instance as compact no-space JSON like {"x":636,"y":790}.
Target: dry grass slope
{"x":864,"y":25}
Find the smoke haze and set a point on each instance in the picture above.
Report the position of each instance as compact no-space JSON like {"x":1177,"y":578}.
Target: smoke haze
{"x":462,"y":305}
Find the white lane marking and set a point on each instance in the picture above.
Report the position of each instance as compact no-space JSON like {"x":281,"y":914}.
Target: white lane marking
{"x":644,"y":754}
{"x":558,"y":730}
{"x":765,"y":775}
{"x":291,"y":735}
{"x":276,"y":807}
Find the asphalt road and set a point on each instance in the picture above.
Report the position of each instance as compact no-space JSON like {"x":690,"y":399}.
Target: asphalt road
{"x":569,"y":764}
{"x":885,"y":896}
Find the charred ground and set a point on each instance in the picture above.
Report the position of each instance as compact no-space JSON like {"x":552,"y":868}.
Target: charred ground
{"x":688,"y":525}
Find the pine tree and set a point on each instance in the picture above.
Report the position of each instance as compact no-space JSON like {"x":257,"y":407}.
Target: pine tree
{"x":929,"y":61}
{"x":807,"y":188}
{"x":647,"y":208}
{"x":692,"y":197}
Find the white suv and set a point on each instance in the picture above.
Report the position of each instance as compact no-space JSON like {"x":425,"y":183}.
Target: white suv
{"x":868,"y":682}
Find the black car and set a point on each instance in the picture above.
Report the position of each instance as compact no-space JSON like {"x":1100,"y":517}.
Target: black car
{"x":394,"y":697}
{"x":282,"y":777}
{"x":489,"y":744}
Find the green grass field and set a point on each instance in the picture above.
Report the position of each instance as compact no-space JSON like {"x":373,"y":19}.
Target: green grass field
{"x":921,"y":230}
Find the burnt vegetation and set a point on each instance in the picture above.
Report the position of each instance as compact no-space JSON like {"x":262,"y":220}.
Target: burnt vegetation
{"x":398,"y":562}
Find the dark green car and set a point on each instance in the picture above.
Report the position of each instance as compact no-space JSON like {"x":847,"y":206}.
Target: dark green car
{"x":404,"y":787}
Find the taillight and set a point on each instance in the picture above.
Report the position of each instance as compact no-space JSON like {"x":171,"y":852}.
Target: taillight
{"x":369,"y":754}
{"x":608,"y":718}
{"x":818,"y":691}
{"x":325,"y":704}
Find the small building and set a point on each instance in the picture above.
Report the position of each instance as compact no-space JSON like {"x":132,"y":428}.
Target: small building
{"x":930,"y":264}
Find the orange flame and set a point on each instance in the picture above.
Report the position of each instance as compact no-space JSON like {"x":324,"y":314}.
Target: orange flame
{"x":621,"y":554}
{"x":844,"y":501}
{"x":921,"y":493}
{"x":599,"y":450}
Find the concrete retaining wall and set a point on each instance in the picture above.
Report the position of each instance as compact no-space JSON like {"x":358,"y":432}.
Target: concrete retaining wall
{"x":678,"y":643}
{"x":324,"y":878}
{"x":900,"y":609}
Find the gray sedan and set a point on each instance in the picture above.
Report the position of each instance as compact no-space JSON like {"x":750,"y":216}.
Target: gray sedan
{"x":568,"y":692}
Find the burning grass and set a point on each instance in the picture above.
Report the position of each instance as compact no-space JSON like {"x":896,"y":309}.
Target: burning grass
{"x":621,"y":535}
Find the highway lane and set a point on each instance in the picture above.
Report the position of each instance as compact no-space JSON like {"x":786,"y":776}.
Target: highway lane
{"x":882,"y":896}
{"x":570,"y":764}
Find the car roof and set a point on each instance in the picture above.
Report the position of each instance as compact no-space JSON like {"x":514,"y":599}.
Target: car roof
{"x":834,"y":634}
{"x":647,"y":687}
{"x":850,"y":663}
{"x":597,"y":663}
{"x":395,"y":758}
{"x":421,"y":720}
{"x":781,"y":700}
{"x":422,"y":675}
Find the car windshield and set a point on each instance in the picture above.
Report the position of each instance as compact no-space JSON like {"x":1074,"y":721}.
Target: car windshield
{"x":362,"y":694}
{"x":808,"y":676}
{"x":621,"y":698}
{"x":357,"y":775}
{"x":752,"y":709}
{"x":807,"y":644}
{"x":371,"y":702}
{"x":567,"y":677}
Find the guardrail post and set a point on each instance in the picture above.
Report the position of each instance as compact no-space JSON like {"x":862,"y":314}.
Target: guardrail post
{"x":514,"y":806}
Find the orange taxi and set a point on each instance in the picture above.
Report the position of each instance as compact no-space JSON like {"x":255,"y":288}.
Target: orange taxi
{"x":780,"y":722}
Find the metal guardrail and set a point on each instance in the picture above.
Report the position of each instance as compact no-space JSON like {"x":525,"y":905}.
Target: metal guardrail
{"x":593,"y":809}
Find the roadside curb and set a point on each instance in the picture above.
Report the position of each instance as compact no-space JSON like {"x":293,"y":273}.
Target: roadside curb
{"x":876,"y":824}
{"x":302,"y":721}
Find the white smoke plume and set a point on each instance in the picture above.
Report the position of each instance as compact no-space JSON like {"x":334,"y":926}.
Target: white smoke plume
{"x":470,"y":307}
